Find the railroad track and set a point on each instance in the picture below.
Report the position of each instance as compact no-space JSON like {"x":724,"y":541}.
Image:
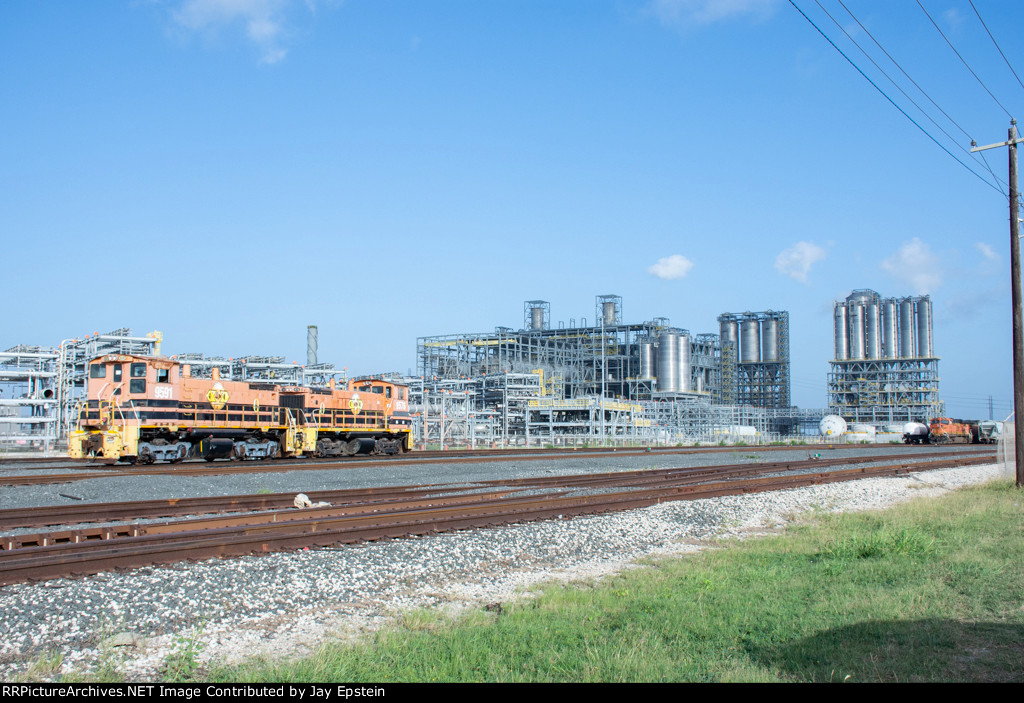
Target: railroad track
{"x":409,"y":510}
{"x":85,"y":469}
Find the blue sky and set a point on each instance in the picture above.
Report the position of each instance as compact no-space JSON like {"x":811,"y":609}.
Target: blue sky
{"x":230,"y":171}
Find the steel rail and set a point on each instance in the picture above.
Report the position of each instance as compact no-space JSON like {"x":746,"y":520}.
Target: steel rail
{"x":63,"y":560}
{"x":249,"y":467}
{"x":71,"y":514}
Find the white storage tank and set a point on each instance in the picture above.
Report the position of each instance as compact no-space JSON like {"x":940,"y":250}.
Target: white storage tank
{"x":750,"y":341}
{"x":770,"y":340}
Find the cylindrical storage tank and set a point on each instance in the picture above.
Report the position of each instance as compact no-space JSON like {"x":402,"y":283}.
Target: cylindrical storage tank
{"x":889,"y":328}
{"x":646,"y":359}
{"x":750,"y":341}
{"x":856,"y":315}
{"x":924,"y":327}
{"x":730,"y":331}
{"x":770,"y":340}
{"x":668,"y":361}
{"x":872,"y":330}
{"x":685,"y":380}
{"x":608,"y":313}
{"x":537,"y":318}
{"x":907,"y":345}
{"x":842,"y":338}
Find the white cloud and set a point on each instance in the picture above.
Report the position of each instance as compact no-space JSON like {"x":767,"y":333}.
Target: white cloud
{"x":698,"y":12}
{"x":796,"y":261}
{"x":953,"y":18}
{"x":264,"y":21}
{"x":987,"y":251}
{"x":671,"y":267}
{"x":914,"y":263}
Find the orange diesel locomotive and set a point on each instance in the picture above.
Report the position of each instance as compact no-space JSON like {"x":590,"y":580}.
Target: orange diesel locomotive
{"x":147,"y":409}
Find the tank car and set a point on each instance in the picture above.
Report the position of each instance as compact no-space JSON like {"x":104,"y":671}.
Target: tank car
{"x":148,"y":409}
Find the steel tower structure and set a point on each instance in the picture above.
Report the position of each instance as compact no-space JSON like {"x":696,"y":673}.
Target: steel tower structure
{"x":885,"y":368}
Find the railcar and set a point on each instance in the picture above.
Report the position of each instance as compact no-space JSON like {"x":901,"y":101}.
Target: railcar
{"x":945,"y":430}
{"x":149,"y":409}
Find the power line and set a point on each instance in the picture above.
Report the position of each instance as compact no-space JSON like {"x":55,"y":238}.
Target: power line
{"x":915,"y":84}
{"x":996,"y":43}
{"x":962,"y":59}
{"x":915,"y":123}
{"x":896,"y":63}
{"x":897,"y":86}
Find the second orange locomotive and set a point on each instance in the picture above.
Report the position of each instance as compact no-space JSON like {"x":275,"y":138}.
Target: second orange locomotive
{"x":148,"y":409}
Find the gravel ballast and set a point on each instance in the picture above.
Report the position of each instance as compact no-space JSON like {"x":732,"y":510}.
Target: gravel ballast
{"x":286,"y":604}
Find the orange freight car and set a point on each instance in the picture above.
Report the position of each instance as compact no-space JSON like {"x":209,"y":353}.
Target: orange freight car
{"x":147,"y":409}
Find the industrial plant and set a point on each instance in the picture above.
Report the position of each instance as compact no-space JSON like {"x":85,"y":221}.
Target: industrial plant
{"x":609,"y":381}
{"x":885,"y":368}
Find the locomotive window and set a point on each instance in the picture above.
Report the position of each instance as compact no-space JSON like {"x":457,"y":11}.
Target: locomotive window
{"x":378,"y":389}
{"x":387,"y":392}
{"x":137,"y":385}
{"x":117,"y":372}
{"x":138,"y":370}
{"x":163,"y":376}
{"x":98,"y":371}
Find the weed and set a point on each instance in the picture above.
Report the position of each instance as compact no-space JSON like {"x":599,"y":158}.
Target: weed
{"x":42,"y":668}
{"x":182,"y":664}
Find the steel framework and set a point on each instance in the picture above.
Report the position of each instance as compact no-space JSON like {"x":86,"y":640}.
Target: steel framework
{"x":755,"y":359}
{"x":885,"y":368}
{"x":28,"y":397}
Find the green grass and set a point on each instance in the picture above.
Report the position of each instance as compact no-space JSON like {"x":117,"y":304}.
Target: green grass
{"x":931,"y":591}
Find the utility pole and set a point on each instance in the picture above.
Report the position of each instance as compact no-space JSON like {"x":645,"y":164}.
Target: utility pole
{"x":1015,"y":292}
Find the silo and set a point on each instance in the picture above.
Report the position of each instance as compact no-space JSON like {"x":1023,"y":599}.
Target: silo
{"x":685,"y":363}
{"x":856,"y":316}
{"x":537,"y":318}
{"x":750,"y":342}
{"x":668,"y":361}
{"x":608,"y":313}
{"x":646,"y":359}
{"x":842,"y":338}
{"x":729,"y":331}
{"x":872,"y":328}
{"x":770,"y":340}
{"x":889,"y":328}
{"x":907,"y":328}
{"x":924,"y":327}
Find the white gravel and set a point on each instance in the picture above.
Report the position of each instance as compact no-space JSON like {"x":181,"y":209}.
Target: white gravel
{"x":284,"y":605}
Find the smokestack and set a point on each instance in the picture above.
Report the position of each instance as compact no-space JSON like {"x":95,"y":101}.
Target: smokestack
{"x":311,"y":345}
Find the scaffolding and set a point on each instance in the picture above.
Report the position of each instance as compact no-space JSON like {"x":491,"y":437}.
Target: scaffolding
{"x":28,"y":398}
